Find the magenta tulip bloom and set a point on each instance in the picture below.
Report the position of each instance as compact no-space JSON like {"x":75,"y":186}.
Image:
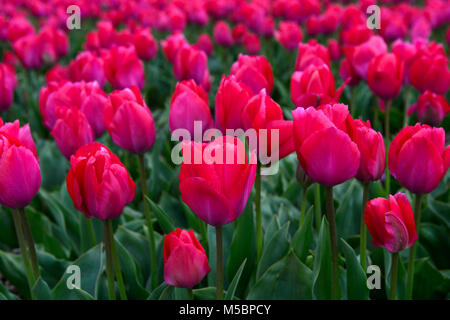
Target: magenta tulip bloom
{"x":129,"y":121}
{"x":8,"y":83}
{"x":191,"y":63}
{"x":71,"y":130}
{"x":385,"y":75}
{"x":87,"y":67}
{"x":418,"y":158}
{"x":98,"y":183}
{"x":391,"y":222}
{"x":255,"y":72}
{"x":185,"y":260}
{"x":20,"y":175}
{"x":217,"y":188}
{"x":323,"y":144}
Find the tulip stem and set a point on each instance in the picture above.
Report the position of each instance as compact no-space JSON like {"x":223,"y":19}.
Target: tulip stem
{"x":117,"y":269}
{"x":219,"y":264}
{"x":363,"y":233}
{"x":387,"y":139}
{"x":91,"y":232}
{"x":333,"y":242}
{"x":317,"y":206}
{"x":190,"y":294}
{"x":412,"y":253}
{"x":30,"y":242}
{"x":303,"y":207}
{"x":259,"y":236}
{"x":394,"y":272}
{"x":109,"y":261}
{"x":407,"y":101}
{"x":148,"y":217}
{"x":23,"y":250}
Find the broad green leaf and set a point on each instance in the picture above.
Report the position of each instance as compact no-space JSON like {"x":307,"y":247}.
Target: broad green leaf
{"x":356,"y":277}
{"x":232,"y":288}
{"x":208,"y":293}
{"x":301,"y":242}
{"x":41,"y":291}
{"x":165,"y":222}
{"x":13,"y":269}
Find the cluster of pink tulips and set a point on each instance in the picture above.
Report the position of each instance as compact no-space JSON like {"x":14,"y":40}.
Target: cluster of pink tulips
{"x":292,"y":72}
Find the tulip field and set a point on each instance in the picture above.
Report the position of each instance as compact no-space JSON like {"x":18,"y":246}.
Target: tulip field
{"x":224,"y":150}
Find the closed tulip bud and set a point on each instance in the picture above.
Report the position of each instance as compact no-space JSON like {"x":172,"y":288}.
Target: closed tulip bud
{"x":289,"y":35}
{"x":98,"y":183}
{"x":8,"y":84}
{"x":391,"y":222}
{"x":406,"y":51}
{"x":123,"y":68}
{"x":185,"y":260}
{"x":204,"y":44}
{"x":262,"y":113}
{"x":385,"y":75}
{"x":231,"y":98}
{"x":28,"y":52}
{"x":334,"y":49}
{"x":251,"y":43}
{"x":393,"y":25}
{"x":371,"y":148}
{"x":19,"y":165}
{"x":311,"y":53}
{"x":57,"y":74}
{"x":222,"y":34}
{"x":324,"y":147}
{"x":71,"y":130}
{"x":129,"y":121}
{"x":17,"y":28}
{"x":172,"y":44}
{"x":268,"y":27}
{"x":355,"y":34}
{"x":254,"y":71}
{"x":431,"y":108}
{"x":314,"y":86}
{"x":189,"y":103}
{"x":87,"y":67}
{"x":146,"y":46}
{"x":429,"y":70}
{"x":418,"y":158}
{"x":191,"y":63}
{"x":217,"y":189}
{"x":239,"y":31}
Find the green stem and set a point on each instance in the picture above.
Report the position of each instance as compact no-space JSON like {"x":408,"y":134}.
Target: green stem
{"x":352,"y":101}
{"x":303,"y":207}
{"x":412,"y":253}
{"x":30,"y":242}
{"x":387,"y":141}
{"x":23,"y":249}
{"x":148,"y":217}
{"x":333,"y":241}
{"x":259,"y":236}
{"x":363,"y":236}
{"x":117,"y":269}
{"x":219,"y":264}
{"x":190,"y":294}
{"x":394,"y":272}
{"x":407,"y":101}
{"x":91,"y":232}
{"x":109,"y":261}
{"x":317,"y":206}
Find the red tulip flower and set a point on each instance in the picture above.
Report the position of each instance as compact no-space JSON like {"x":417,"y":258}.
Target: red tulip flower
{"x":254,"y":71}
{"x":222,"y":34}
{"x":19,"y":165}
{"x":391,"y":222}
{"x":289,"y":35}
{"x":71,"y":130}
{"x":172,"y":44}
{"x":251,"y":43}
{"x":87,"y":67}
{"x":189,"y":103}
{"x":123,"y":68}
{"x":191,"y":63}
{"x":311,"y":53}
{"x":418,"y":158}
{"x":371,"y":148}
{"x":217,"y":188}
{"x":185,"y":260}
{"x":431,"y":108}
{"x":231,"y":98}
{"x":129,"y":121}
{"x":98,"y":183}
{"x":323,"y":144}
{"x":204,"y":44}
{"x":8,"y":84}
{"x":146,"y":46}
{"x":385,"y":75}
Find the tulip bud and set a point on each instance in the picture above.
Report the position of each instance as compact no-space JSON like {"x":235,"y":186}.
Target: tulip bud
{"x":431,"y":108}
{"x":8,"y":83}
{"x":311,"y":53}
{"x":222,"y":34}
{"x":204,"y":44}
{"x":123,"y":68}
{"x":385,"y":75}
{"x":98,"y":183}
{"x":19,"y":165}
{"x":172,"y":44}
{"x":418,"y":158}
{"x":88,"y":67}
{"x":71,"y":130}
{"x":185,"y":260}
{"x":129,"y":121}
{"x":191,"y":63}
{"x":289,"y":35}
{"x":251,"y":43}
{"x":146,"y":46}
{"x":254,"y":71}
{"x":217,"y":189}
{"x":189,"y":103}
{"x":391,"y":222}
